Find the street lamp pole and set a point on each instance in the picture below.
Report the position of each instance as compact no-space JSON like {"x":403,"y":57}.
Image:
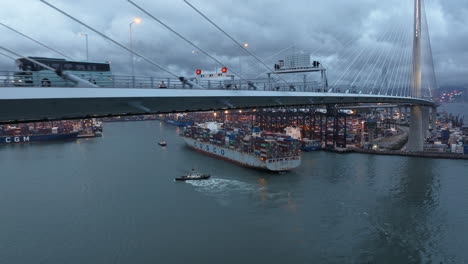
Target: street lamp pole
{"x":87,"y":51}
{"x":362,"y":135}
{"x":240,"y":58}
{"x":135,"y":21}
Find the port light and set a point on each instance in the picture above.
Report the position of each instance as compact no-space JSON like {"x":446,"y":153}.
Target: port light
{"x":223,"y":69}
{"x":198,"y":72}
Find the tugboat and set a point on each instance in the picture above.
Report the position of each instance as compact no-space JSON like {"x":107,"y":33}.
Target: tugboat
{"x":193,"y":175}
{"x":162,"y":143}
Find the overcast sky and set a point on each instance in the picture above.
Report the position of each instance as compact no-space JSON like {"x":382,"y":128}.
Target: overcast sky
{"x":322,"y":27}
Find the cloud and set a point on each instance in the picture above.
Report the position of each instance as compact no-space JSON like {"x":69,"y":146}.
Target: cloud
{"x":329,"y":28}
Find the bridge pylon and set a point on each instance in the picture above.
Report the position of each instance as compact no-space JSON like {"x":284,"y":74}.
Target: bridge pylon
{"x":416,"y":133}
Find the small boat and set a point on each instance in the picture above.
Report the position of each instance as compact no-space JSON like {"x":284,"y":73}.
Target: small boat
{"x":193,"y":175}
{"x":162,"y":143}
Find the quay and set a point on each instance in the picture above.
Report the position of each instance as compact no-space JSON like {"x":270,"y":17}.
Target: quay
{"x":457,"y":156}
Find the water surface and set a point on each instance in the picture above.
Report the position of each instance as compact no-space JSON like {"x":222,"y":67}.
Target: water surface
{"x":113,"y":200}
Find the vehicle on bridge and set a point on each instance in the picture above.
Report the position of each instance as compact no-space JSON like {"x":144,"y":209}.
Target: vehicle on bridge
{"x":32,"y":75}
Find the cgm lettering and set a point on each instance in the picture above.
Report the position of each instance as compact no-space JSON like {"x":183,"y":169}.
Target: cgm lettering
{"x":17,"y":139}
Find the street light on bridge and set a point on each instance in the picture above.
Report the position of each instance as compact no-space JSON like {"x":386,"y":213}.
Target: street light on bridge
{"x":87,"y":53}
{"x":135,"y":21}
{"x":240,"y":58}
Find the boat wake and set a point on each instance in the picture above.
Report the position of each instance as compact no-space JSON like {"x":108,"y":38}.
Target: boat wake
{"x":222,"y":186}
{"x":226,"y":191}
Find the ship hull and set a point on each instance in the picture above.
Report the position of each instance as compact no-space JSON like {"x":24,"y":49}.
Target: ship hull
{"x":179,"y":123}
{"x":311,"y":148}
{"x":37,"y":138}
{"x":243,"y":159}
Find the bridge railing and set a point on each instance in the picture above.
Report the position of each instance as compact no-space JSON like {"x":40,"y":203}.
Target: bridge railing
{"x":50,"y":79}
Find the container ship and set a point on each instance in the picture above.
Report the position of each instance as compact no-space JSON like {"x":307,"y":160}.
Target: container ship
{"x":13,"y":135}
{"x":247,"y":147}
{"x":178,"y":120}
{"x":50,"y":131}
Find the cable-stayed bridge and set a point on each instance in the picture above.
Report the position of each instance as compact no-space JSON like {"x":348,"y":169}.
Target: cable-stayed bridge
{"x":394,"y":66}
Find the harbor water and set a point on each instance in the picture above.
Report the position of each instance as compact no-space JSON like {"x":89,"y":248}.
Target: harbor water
{"x":114,"y":200}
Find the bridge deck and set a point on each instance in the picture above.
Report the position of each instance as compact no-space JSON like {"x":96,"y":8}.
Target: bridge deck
{"x":39,"y":103}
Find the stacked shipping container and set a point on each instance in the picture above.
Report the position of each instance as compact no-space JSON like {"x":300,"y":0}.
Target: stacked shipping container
{"x":265,"y":145}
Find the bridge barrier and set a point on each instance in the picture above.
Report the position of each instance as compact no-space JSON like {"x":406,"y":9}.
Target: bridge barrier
{"x":48,"y":79}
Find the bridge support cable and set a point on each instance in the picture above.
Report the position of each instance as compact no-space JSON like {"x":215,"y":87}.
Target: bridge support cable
{"x":377,"y":61}
{"x":8,"y":56}
{"x":345,"y":53}
{"x":235,"y":41}
{"x":351,"y":55}
{"x":396,"y":70}
{"x":397,"y":64}
{"x":431,"y":80}
{"x":369,"y":56}
{"x":24,"y":35}
{"x":405,"y":73}
{"x":406,"y":76}
{"x":184,"y":38}
{"x":111,"y":40}
{"x":386,"y":37}
{"x":388,"y":65}
{"x":62,"y":74}
{"x":360,"y":63}
{"x":408,"y":73}
{"x":391,"y":37}
{"x":28,"y":59}
{"x":347,"y":43}
{"x":347,"y":69}
{"x":358,"y":78}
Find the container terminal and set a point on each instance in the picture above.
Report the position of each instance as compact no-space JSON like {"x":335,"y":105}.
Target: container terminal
{"x":377,"y":129}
